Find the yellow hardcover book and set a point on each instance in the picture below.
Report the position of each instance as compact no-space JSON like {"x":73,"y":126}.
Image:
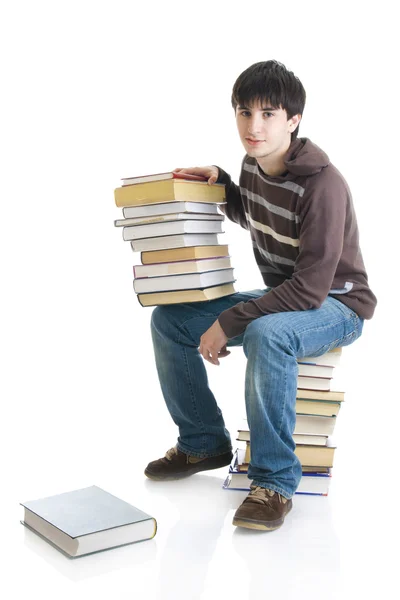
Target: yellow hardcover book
{"x":189,"y":253}
{"x":176,"y":297}
{"x":313,"y":407}
{"x":169,"y":190}
{"x":310,"y":456}
{"x":320,"y":395}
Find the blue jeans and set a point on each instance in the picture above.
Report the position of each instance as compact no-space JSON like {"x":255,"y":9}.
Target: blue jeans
{"x":272,"y":345}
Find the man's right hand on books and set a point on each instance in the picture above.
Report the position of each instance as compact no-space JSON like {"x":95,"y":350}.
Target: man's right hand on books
{"x":211,"y":173}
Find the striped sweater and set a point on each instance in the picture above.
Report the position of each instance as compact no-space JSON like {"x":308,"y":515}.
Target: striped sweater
{"x":304,"y":233}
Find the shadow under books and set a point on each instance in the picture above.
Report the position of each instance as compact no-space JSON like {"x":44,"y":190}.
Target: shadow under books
{"x":92,"y":565}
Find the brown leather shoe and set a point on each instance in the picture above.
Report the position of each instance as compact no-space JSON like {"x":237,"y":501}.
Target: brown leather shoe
{"x":262,"y":509}
{"x":176,"y":464}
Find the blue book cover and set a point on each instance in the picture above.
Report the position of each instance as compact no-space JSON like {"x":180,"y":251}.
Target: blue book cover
{"x":87,"y":520}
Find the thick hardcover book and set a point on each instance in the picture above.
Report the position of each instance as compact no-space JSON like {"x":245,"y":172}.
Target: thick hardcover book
{"x":183,"y":282}
{"x":330,"y":359}
{"x":311,"y":484}
{"x":313,"y":407}
{"x":87,"y":520}
{"x":167,"y":208}
{"x":305,"y":425}
{"x":161,"y":177}
{"x":313,"y":481}
{"x":187,"y":253}
{"x":201,"y":265}
{"x":169,"y":191}
{"x":309,"y":455}
{"x":167,"y":218}
{"x":166,"y":242}
{"x":314,"y":383}
{"x":308,"y":370}
{"x":177,"y":297}
{"x":321,"y":396}
{"x":151,"y":230}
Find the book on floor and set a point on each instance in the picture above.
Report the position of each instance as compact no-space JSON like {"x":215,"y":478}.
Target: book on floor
{"x":87,"y":520}
{"x":161,"y":177}
{"x":167,"y":218}
{"x":168,"y":191}
{"x":196,"y":295}
{"x":166,"y":208}
{"x":167,"y":242}
{"x":170,"y":228}
{"x":183,"y":282}
{"x":182,"y":267}
{"x":183,"y":253}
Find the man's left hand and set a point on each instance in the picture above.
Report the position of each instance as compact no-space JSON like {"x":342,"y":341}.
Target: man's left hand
{"x":213,"y":344}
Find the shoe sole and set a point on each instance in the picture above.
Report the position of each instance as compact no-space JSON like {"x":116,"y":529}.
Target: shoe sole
{"x":169,"y":478}
{"x":184,"y":474}
{"x":260,"y":525}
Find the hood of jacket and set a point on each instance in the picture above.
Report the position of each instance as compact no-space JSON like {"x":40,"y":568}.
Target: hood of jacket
{"x":305,"y":158}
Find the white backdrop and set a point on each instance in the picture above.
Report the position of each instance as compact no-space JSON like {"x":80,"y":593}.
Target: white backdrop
{"x":96,"y":91}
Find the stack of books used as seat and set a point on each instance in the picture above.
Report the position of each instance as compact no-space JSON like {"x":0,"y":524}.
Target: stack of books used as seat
{"x":173,"y":221}
{"x":317,"y":408}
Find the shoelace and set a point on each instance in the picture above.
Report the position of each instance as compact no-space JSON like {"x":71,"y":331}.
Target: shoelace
{"x":170,"y":453}
{"x":263,"y":494}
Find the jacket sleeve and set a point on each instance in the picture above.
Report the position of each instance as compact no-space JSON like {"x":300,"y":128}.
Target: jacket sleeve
{"x":322,"y":228}
{"x":233,"y":208}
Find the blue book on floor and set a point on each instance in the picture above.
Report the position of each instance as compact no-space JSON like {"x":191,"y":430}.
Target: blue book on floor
{"x":88,"y":520}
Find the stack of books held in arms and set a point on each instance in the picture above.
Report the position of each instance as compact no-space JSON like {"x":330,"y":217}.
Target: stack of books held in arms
{"x":317,"y":408}
{"x":173,"y":221}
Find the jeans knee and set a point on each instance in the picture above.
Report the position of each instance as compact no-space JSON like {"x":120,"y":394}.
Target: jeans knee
{"x":160,"y":316}
{"x":269,"y":332}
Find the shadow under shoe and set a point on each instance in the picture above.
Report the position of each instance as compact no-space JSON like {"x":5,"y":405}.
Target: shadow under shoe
{"x":176,"y":465}
{"x":263,"y":509}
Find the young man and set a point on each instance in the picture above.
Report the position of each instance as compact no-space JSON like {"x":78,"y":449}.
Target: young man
{"x":299,"y":212}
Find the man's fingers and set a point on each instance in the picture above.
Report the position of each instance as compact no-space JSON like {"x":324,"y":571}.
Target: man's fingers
{"x":209,"y":355}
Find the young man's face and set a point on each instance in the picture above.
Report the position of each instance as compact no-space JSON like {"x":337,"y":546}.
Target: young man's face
{"x":265,"y":131}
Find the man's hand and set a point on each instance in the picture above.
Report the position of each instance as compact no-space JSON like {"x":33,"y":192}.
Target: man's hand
{"x":211,"y":173}
{"x":213,"y":344}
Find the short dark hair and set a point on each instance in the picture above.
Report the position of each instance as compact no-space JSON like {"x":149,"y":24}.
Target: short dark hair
{"x":270,"y":81}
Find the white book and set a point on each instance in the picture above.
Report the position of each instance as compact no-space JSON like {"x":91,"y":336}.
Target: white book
{"x":312,"y":440}
{"x":315,"y":370}
{"x":298,"y":438}
{"x":313,"y":383}
{"x":175,"y":241}
{"x":305,"y":424}
{"x":164,"y":208}
{"x":164,"y":218}
{"x":139,"y":232}
{"x":331,"y":359}
{"x":183,"y":266}
{"x":87,"y":520}
{"x":183,"y":282}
